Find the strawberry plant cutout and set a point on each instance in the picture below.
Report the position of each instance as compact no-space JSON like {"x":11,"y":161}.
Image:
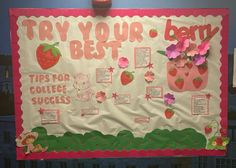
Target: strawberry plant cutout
{"x":197,"y":82}
{"x":126,"y":77}
{"x":216,"y":140}
{"x":48,"y":55}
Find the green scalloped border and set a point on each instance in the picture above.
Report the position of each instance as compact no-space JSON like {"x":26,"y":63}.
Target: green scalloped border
{"x":125,"y":140}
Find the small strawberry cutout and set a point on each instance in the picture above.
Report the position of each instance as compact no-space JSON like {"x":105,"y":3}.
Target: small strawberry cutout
{"x":169,"y":113}
{"x":172,"y":71}
{"x":189,"y":65}
{"x":208,"y":129}
{"x":179,"y":83}
{"x":202,"y":68}
{"x":153,"y":33}
{"x":126,"y":77}
{"x":197,"y":82}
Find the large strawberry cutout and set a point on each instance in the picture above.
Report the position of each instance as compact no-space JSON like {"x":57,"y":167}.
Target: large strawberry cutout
{"x":48,"y":55}
{"x":126,"y":77}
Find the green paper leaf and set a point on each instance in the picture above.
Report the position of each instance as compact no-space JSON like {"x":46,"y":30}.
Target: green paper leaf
{"x":207,"y":54}
{"x":46,"y":48}
{"x":57,"y":51}
{"x":161,"y":52}
{"x":54,"y":52}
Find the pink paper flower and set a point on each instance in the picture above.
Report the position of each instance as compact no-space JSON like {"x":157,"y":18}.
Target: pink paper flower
{"x":192,"y":50}
{"x":203,"y":47}
{"x":100,"y":96}
{"x":199,"y":59}
{"x":149,"y":76}
{"x":171,"y":51}
{"x":123,"y":62}
{"x":182,"y":44}
{"x":169,"y":99}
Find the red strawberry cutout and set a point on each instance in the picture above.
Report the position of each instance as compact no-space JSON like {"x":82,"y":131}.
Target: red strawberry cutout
{"x":219,"y":141}
{"x":48,"y":55}
{"x":189,"y":65}
{"x":153,"y":33}
{"x":169,"y":113}
{"x":208,"y":129}
{"x":172,"y":71}
{"x":197,"y":82}
{"x":179,"y":83}
{"x":223,"y":132}
{"x":126,"y":77}
{"x":202,"y":68}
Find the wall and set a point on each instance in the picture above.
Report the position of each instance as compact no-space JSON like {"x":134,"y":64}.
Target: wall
{"x":6,"y":4}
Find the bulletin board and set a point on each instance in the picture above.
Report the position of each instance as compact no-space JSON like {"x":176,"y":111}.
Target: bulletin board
{"x":120,"y":83}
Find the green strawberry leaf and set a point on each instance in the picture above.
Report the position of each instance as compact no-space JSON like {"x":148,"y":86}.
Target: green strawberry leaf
{"x":179,"y":79}
{"x":170,"y":109}
{"x":161,"y":52}
{"x":131,"y":76}
{"x":197,"y":79}
{"x":47,"y":47}
{"x":56,"y":52}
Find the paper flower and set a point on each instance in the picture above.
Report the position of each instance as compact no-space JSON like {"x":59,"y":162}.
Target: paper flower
{"x":199,"y":60}
{"x":169,"y":99}
{"x":100,"y":96}
{"x":192,"y":50}
{"x":149,"y":76}
{"x":171,"y":51}
{"x":182,"y":44}
{"x":123,"y":62}
{"x":203,"y":47}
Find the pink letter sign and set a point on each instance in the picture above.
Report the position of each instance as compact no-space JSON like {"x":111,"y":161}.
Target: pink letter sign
{"x":131,"y":83}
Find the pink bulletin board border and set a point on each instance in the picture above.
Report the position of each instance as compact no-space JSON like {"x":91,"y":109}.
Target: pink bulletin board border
{"x":16,"y":12}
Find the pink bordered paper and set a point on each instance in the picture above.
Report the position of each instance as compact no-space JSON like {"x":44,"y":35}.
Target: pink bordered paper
{"x":16,"y":13}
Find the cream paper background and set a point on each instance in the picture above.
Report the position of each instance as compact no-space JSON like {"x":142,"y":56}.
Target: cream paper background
{"x":114,"y":118}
